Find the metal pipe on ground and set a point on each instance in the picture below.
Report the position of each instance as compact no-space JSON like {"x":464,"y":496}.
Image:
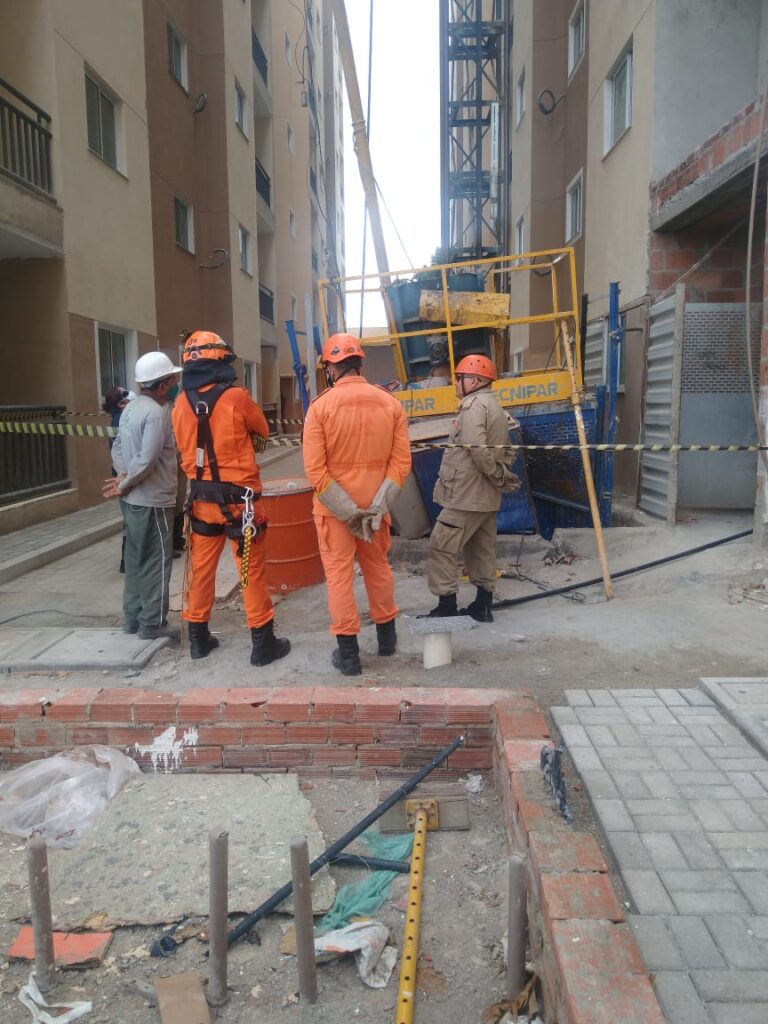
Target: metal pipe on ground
{"x":302,"y":916}
{"x":277,"y":898}
{"x":517,"y":925}
{"x":512,"y":602}
{"x":359,"y":860}
{"x":218,"y":847}
{"x":42,"y":923}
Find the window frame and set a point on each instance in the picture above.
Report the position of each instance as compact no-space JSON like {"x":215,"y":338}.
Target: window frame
{"x":103,"y":93}
{"x":520,"y":234}
{"x":241,"y":109}
{"x":579,"y":12}
{"x":130,"y":355}
{"x":520,"y":99}
{"x":174,"y":36}
{"x":189,"y":244}
{"x":244,"y":235}
{"x":625,"y":60}
{"x":577,"y":180}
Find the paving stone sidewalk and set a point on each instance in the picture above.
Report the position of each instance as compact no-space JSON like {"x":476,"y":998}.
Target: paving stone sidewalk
{"x":682,"y":798}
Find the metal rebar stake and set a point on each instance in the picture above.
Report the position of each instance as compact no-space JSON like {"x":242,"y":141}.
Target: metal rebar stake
{"x":302,"y":916}
{"x":517,"y":925}
{"x":218,"y":847}
{"x":42,"y":924}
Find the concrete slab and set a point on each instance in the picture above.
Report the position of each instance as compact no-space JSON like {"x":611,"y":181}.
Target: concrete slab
{"x":146,"y":860}
{"x":62,"y":649}
{"x":745,"y":703}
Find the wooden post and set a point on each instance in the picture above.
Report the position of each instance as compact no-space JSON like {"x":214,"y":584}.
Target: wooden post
{"x":42,"y":925}
{"x":302,"y":915}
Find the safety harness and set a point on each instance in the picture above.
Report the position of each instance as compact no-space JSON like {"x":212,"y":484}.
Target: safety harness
{"x":247,"y":527}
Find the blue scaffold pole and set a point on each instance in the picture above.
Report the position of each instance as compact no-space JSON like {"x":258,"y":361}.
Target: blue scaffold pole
{"x":298,"y":367}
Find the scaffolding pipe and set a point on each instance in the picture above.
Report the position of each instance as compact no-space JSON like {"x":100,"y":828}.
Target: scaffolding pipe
{"x":42,"y":923}
{"x":406,"y":996}
{"x":303,"y":921}
{"x":218,"y":898}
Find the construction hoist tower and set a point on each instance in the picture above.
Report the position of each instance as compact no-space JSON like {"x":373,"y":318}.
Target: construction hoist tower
{"x":475,"y":43}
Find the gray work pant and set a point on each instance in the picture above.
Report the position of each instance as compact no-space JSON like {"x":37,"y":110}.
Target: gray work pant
{"x":148,"y":558}
{"x":455,"y":529}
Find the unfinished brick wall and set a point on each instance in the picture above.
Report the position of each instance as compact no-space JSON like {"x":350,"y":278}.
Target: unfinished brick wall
{"x":590,"y":968}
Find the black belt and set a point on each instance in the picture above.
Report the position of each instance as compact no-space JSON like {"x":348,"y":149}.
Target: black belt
{"x":233,"y":530}
{"x":218,"y":493}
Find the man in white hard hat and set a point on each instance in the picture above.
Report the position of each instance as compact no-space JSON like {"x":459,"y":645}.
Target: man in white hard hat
{"x":144,"y":456}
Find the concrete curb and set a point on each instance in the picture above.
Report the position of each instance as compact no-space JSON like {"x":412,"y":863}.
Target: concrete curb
{"x":744,"y":721}
{"x":16,"y":567}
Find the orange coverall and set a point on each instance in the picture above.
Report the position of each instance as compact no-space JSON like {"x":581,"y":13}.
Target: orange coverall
{"x":235,"y":417}
{"x":355,"y":434}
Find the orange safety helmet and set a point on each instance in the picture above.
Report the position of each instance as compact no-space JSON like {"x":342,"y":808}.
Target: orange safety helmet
{"x":206,"y":345}
{"x":340,"y":347}
{"x":477,"y":366}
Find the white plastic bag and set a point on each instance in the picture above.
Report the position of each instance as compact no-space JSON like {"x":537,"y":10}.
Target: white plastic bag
{"x":31,"y":997}
{"x":368,"y":941}
{"x":60,"y":797}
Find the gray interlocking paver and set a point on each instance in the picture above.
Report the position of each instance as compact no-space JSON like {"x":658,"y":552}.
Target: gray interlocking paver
{"x":737,"y":943}
{"x":754,"y":885}
{"x":679,"y":999}
{"x":602,"y":698}
{"x":574,"y":735}
{"x":629,"y":852}
{"x":663,"y":850}
{"x":682,"y":797}
{"x":695,"y":942}
{"x":647,"y":893}
{"x":732,"y":986}
{"x":578,"y":698}
{"x":565,"y":716}
{"x":657,"y":946}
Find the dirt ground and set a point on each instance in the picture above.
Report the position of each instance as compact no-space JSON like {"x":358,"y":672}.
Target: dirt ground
{"x":665,"y":627}
{"x":461,"y":964}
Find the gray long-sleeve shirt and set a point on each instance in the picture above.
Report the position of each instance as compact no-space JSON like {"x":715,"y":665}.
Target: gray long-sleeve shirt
{"x":145,"y":451}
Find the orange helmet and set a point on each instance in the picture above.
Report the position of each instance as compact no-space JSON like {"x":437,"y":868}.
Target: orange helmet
{"x":340,"y":347}
{"x":206,"y":345}
{"x":477,"y":366}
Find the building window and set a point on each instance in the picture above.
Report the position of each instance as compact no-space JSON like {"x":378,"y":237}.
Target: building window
{"x":291,"y":139}
{"x":240,"y":109}
{"x":177,"y":56}
{"x":517,"y":361}
{"x":520,"y":235}
{"x":185,"y":233}
{"x":573,"y":199}
{"x":576,"y":26}
{"x":520,"y":98}
{"x":288,"y":51}
{"x":292,"y":223}
{"x":618,"y":100}
{"x":113,"y":359}
{"x":244,"y":238}
{"x":101,"y":114}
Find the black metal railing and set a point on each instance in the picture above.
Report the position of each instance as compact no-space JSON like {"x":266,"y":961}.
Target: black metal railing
{"x":32,"y":464}
{"x":259,"y":57}
{"x":25,"y":140}
{"x":263,"y":184}
{"x":266,"y":303}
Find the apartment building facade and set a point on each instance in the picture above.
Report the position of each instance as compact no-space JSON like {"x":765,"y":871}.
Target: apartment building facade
{"x":139,"y":199}
{"x":662,"y":83}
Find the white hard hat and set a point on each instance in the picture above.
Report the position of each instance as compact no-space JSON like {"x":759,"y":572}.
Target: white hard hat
{"x":154,"y":366}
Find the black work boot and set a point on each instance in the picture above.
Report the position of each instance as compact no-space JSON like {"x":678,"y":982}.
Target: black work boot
{"x":266,"y":646}
{"x":346,"y":657}
{"x":387,"y":637}
{"x":446,"y":606}
{"x":480,"y":608}
{"x":201,"y":643}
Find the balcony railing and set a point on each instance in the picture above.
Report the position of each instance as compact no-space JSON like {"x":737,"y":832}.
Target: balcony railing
{"x":32,"y":464}
{"x":259,"y":57}
{"x":263,"y":184}
{"x":25,"y":140}
{"x":266,"y":303}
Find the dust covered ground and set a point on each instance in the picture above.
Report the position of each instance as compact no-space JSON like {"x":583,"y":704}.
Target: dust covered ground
{"x":462,"y":925}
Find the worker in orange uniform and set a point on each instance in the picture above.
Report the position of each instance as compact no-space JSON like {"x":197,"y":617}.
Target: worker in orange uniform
{"x":218,"y":428}
{"x":357,"y":456}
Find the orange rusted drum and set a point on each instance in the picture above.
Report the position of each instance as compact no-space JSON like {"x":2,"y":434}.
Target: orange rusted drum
{"x":292,"y":555}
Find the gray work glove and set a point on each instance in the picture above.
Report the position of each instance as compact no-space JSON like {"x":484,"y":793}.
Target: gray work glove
{"x":343,"y":508}
{"x":383,"y":502}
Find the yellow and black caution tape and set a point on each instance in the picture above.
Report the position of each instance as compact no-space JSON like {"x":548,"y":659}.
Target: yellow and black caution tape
{"x":86,"y":430}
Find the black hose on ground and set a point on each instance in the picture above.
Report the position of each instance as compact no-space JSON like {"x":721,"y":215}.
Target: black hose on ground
{"x":513,"y":601}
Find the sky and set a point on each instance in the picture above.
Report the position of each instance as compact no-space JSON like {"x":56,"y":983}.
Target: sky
{"x":404,"y":135}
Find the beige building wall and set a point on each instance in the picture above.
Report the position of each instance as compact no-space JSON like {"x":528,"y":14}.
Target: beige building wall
{"x":617,"y":197}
